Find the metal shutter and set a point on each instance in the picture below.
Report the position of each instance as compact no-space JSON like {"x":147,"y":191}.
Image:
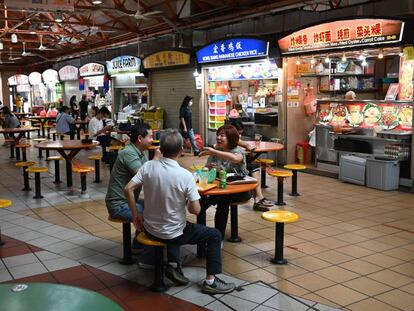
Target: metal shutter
{"x":168,"y":89}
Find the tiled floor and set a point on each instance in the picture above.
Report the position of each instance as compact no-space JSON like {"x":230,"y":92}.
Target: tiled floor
{"x":353,"y":247}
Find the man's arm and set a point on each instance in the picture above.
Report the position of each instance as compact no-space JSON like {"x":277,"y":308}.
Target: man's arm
{"x":193,"y":207}
{"x":129,"y":190}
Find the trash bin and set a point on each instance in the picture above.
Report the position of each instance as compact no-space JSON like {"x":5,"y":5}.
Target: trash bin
{"x":352,"y":169}
{"x":383,"y":174}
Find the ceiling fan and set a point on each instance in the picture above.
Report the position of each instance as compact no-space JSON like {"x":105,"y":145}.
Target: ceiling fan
{"x":24,"y":53}
{"x":5,"y":62}
{"x":139,"y":15}
{"x":42,"y":47}
{"x":11,"y":58}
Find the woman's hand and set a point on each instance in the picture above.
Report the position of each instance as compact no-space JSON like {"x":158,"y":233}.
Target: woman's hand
{"x":207,"y":151}
{"x":211,"y":165}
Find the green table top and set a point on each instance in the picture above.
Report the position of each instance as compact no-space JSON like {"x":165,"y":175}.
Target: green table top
{"x":47,"y":296}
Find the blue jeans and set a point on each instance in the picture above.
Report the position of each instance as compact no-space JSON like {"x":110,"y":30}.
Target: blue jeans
{"x":190,"y":135}
{"x":194,"y":234}
{"x":124,"y":213}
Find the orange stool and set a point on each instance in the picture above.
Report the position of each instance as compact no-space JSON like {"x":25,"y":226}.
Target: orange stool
{"x":83,"y":171}
{"x":56,"y":159}
{"x":96,"y":158}
{"x":37,"y":170}
{"x":264,"y":164}
{"x":23,"y":147}
{"x":281,"y":175}
{"x":294,"y":168}
{"x":25,"y":165}
{"x":126,"y":238}
{"x":280,"y":218}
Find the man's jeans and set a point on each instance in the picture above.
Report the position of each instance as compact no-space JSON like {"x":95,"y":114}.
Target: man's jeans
{"x":124,"y":213}
{"x":194,"y":234}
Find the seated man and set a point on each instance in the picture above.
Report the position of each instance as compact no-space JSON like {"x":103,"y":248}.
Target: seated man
{"x":169,"y":189}
{"x":98,"y":129}
{"x":65,"y":123}
{"x":9,"y":121}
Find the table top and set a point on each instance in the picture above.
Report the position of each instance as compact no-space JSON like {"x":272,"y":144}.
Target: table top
{"x":230,"y":189}
{"x":47,"y":296}
{"x":18,"y":130}
{"x":265,"y":146}
{"x":41,"y":118}
{"x":66,"y":145}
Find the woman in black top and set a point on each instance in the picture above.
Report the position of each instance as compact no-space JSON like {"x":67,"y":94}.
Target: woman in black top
{"x":186,"y":123}
{"x":73,"y":106}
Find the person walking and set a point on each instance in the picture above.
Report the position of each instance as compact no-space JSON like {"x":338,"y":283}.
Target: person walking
{"x":186,"y":123}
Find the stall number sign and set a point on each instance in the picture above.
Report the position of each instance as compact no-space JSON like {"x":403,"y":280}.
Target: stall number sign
{"x":123,"y":64}
{"x":68,"y":73}
{"x":166,"y":59}
{"x":342,"y":34}
{"x":232,"y":49}
{"x":91,"y":69}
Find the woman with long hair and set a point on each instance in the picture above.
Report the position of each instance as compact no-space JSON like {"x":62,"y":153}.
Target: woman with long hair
{"x":73,"y":106}
{"x":186,"y":123}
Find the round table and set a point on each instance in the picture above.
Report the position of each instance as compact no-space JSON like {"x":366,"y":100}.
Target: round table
{"x":72,"y":147}
{"x":230,"y":189}
{"x":18,"y":130}
{"x":264,"y":147}
{"x":42,"y":121}
{"x":48,"y":296}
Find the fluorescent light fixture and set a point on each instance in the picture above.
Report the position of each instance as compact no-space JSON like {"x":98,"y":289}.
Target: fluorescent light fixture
{"x":380,"y":55}
{"x":298,"y":62}
{"x":14,"y":38}
{"x":33,"y":32}
{"x":58,"y":18}
{"x":312,"y":61}
{"x":1,"y":45}
{"x":361,"y":57}
{"x":195,"y":73}
{"x":343,"y":58}
{"x":96,"y":2}
{"x":364,"y":62}
{"x":401,"y":53}
{"x":327,"y":59}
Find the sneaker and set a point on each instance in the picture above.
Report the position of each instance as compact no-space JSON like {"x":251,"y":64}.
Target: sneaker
{"x":218,"y":287}
{"x":260,"y":207}
{"x":266,"y":202}
{"x":145,"y":266}
{"x":176,"y":275}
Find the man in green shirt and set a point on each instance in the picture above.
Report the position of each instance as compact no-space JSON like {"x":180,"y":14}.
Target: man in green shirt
{"x":127,"y":164}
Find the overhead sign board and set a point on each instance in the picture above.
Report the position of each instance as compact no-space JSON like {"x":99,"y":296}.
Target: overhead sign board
{"x":49,"y":5}
{"x":18,"y":80}
{"x":166,"y":59}
{"x":232,"y":49}
{"x":123,"y":64}
{"x":35,"y":78}
{"x":342,"y":34}
{"x":68,"y":73}
{"x":91,"y":69}
{"x":50,"y":76}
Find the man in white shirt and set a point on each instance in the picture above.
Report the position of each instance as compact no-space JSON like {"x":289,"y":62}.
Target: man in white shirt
{"x":98,"y":130}
{"x":169,"y":190}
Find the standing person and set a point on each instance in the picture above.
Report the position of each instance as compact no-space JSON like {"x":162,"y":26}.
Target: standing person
{"x":10,"y":121}
{"x":73,"y":106}
{"x":186,"y":122}
{"x":164,"y":218}
{"x":261,"y":204}
{"x":19,"y":103}
{"x":99,"y":131}
{"x":65,"y":123}
{"x":229,"y":156}
{"x":83,"y":107}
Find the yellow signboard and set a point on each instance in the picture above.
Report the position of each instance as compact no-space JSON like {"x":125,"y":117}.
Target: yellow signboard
{"x":409,"y":53}
{"x":166,"y":59}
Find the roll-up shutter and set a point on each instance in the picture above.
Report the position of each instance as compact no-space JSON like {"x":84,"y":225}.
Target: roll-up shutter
{"x":168,"y":89}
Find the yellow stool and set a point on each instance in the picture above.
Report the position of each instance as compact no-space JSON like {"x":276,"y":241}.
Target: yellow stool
{"x":56,"y":159}
{"x":158,"y":284}
{"x":48,"y":127}
{"x":281,"y":175}
{"x":115,"y":148}
{"x":3,"y":204}
{"x":264,"y":164}
{"x":25,"y":165}
{"x":23,"y":147}
{"x":295,"y":168}
{"x":280,"y":218}
{"x":96,"y":158}
{"x":37,"y":170}
{"x":83,"y":171}
{"x":126,"y":238}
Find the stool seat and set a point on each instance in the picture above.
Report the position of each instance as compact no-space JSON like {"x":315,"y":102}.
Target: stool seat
{"x":54,"y":158}
{"x":280,"y":216}
{"x":39,"y":139}
{"x":23,"y":145}
{"x":264,"y":161}
{"x":113,"y":148}
{"x":296,"y":167}
{"x":48,"y":126}
{"x":277,"y":173}
{"x":95,"y":157}
{"x":5,"y":203}
{"x":24,"y":163}
{"x":83,"y":169}
{"x":37,"y":169}
{"x":144,"y":239}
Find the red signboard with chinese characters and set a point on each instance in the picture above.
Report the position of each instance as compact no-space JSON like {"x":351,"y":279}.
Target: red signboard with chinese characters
{"x":342,"y":34}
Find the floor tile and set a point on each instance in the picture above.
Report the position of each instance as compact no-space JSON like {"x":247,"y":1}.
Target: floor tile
{"x":14,"y":251}
{"x":311,"y":281}
{"x":367,"y":286}
{"x":284,"y":302}
{"x":337,"y":274}
{"x":27,"y":270}
{"x":398,"y":299}
{"x":371,"y":304}
{"x":390,"y":278}
{"x":258,"y":275}
{"x":406,"y":268}
{"x":20,"y":260}
{"x":255,"y":293}
{"x":290,"y":288}
{"x":360,"y":267}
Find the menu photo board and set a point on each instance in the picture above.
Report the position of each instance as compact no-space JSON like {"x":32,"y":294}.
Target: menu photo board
{"x":342,"y":34}
{"x":232,"y":49}
{"x":123,"y":64}
{"x":166,"y":59}
{"x":263,"y":70}
{"x":91,"y":69}
{"x":68,"y":73}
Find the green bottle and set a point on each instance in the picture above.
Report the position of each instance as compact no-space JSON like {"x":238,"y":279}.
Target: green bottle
{"x":223,"y":179}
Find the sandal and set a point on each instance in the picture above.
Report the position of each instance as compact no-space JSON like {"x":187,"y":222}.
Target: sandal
{"x":259,"y":207}
{"x":266,"y":202}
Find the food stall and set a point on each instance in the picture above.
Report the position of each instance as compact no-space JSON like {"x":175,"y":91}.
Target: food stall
{"x":37,"y":91}
{"x":128,"y":83}
{"x":53,"y":88}
{"x":238,"y":79}
{"x":96,"y":84}
{"x":19,"y":86}
{"x":349,"y":80}
{"x":171,"y":78}
{"x":69,"y":76}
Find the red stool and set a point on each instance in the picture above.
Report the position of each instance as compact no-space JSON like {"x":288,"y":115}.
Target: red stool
{"x":304,"y":147}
